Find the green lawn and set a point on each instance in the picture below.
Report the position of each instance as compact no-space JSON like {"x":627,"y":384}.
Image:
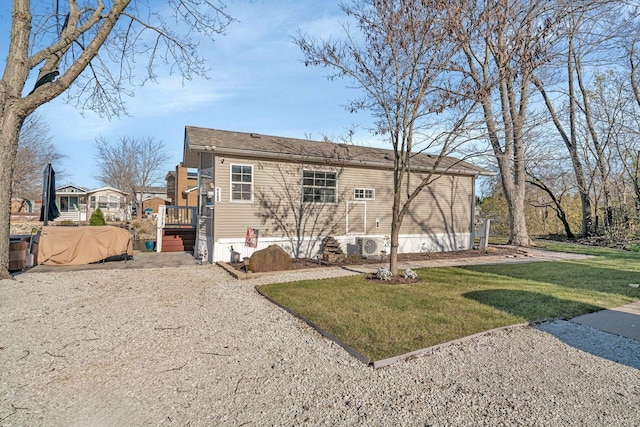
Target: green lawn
{"x":381,"y":321}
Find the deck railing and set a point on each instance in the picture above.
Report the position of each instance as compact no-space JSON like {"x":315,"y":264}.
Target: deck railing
{"x":179,"y":216}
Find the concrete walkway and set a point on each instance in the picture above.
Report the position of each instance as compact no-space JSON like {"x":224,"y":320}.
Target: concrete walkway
{"x":623,"y":321}
{"x":523,"y":255}
{"x":141,"y":260}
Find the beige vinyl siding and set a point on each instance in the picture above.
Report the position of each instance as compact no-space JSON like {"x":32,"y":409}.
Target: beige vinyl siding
{"x":230,"y":218}
{"x":380,"y":207}
{"x":444,"y":206}
{"x":277,"y":193}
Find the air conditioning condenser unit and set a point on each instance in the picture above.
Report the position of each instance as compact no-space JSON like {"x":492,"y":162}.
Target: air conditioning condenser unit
{"x":368,"y":246}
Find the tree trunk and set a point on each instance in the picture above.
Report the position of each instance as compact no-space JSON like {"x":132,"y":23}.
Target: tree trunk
{"x":601,"y":163}
{"x":10,"y":123}
{"x":393,"y":254}
{"x":570,"y":141}
{"x":12,"y":115}
{"x":396,"y":221}
{"x":519,"y":236}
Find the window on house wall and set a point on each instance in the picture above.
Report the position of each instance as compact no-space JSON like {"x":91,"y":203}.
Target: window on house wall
{"x":364,"y":194}
{"x":114,"y":203}
{"x":319,"y":187}
{"x":103,"y":202}
{"x":92,"y":202}
{"x":241,"y":183}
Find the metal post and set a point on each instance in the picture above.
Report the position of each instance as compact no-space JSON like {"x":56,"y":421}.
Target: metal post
{"x":484,"y":239}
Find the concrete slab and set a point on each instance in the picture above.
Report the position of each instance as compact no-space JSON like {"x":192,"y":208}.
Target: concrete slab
{"x":140,"y":260}
{"x":623,"y":321}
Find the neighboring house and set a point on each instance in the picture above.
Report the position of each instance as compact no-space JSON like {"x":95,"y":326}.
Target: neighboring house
{"x":72,"y":203}
{"x":294,"y":192}
{"x":182,"y":186}
{"x":153,"y":204}
{"x":152,"y":197}
{"x":77,"y":203}
{"x":111,"y":202}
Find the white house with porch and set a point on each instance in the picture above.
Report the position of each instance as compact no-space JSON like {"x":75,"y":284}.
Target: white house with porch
{"x":77,"y":203}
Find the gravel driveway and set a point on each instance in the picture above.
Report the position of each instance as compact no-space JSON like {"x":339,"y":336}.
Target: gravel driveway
{"x":192,"y":346}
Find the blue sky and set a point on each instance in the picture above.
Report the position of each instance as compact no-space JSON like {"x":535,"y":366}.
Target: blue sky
{"x":258,"y":84}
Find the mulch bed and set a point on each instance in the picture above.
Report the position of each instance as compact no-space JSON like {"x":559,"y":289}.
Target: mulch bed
{"x":303,"y":263}
{"x":395,"y":280}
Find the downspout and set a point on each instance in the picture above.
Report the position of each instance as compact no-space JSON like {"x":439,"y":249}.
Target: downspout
{"x":472,"y":228}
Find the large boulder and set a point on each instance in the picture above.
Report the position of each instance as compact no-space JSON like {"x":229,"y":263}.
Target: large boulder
{"x":273,"y":258}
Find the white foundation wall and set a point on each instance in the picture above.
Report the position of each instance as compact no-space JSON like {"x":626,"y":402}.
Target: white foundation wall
{"x":312,"y":247}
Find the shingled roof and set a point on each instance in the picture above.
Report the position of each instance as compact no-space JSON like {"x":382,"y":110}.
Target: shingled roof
{"x":252,"y":145}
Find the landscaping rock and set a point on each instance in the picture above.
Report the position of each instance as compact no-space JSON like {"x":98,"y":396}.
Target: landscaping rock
{"x":273,"y":258}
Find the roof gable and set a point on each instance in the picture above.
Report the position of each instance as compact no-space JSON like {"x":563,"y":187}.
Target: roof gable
{"x":71,"y":188}
{"x":104,"y":189}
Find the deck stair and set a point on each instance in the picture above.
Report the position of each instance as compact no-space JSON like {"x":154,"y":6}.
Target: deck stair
{"x":181,"y":239}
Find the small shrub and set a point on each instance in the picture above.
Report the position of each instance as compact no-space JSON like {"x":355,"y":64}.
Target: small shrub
{"x":383,"y":273}
{"x":97,"y":218}
{"x":409,"y":274}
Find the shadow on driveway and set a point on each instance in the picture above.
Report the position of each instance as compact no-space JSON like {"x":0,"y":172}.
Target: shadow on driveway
{"x":616,"y":348}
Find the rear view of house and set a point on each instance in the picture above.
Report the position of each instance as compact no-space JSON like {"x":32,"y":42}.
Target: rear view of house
{"x":271,"y":190}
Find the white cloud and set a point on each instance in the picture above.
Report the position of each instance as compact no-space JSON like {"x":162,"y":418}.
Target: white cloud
{"x":170,"y":96}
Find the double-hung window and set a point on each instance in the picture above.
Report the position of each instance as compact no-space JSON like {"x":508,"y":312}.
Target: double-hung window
{"x":241,"y":183}
{"x":319,"y":187}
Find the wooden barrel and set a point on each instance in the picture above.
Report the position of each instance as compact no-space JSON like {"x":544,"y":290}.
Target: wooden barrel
{"x":17,"y":255}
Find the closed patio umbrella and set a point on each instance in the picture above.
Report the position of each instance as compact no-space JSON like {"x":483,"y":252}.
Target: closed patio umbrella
{"x":49,"y":210}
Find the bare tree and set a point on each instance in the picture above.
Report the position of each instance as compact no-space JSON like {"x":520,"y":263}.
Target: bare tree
{"x":399,"y":63}
{"x":587,"y":41}
{"x":35,"y":150}
{"x":504,"y":42}
{"x":90,"y":47}
{"x":132,"y":165}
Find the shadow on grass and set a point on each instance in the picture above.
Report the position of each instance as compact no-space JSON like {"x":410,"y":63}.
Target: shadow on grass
{"x":532,"y":306}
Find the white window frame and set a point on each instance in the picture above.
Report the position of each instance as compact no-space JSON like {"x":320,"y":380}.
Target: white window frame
{"x":364,"y":193}
{"x":335,"y":195}
{"x":231,"y":182}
